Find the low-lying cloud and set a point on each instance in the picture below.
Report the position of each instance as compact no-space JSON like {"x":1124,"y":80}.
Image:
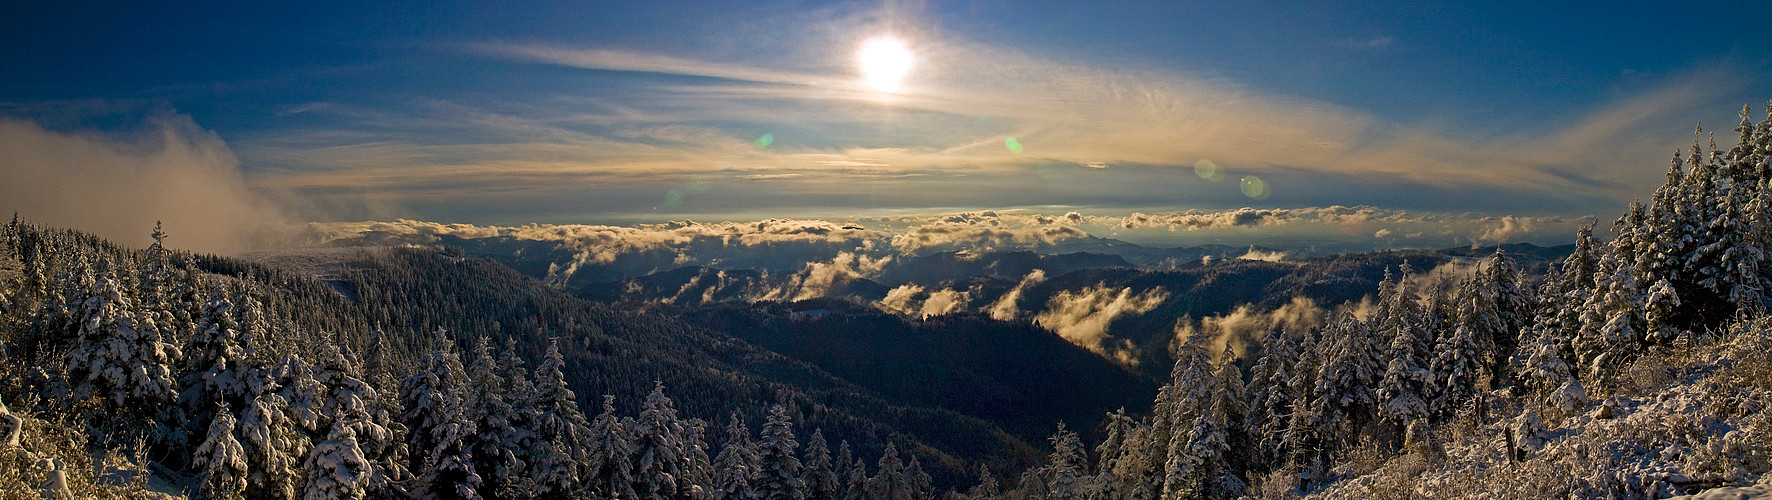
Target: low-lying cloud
{"x":1083,"y":316}
{"x":1234,"y":333}
{"x":116,"y":185}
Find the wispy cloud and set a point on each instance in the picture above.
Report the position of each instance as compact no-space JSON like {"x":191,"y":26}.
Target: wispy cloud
{"x":835,"y":140}
{"x":1376,"y":42}
{"x":619,"y":60}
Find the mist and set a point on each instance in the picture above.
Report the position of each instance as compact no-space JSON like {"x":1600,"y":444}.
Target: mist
{"x":117,"y":185}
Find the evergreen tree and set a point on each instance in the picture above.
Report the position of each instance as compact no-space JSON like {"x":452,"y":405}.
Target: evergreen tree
{"x":987,"y":488}
{"x":121,"y":357}
{"x":661,"y":449}
{"x":498,"y":441}
{"x":778,"y":466}
{"x":818,"y":473}
{"x":735,"y":468}
{"x":336,"y":468}
{"x":437,"y":418}
{"x":1065,"y":471}
{"x":1345,"y":401}
{"x":1272,"y":396}
{"x":558,"y":426}
{"x":271,"y":442}
{"x":607,"y":455}
{"x":221,"y":461}
{"x":922,"y":486}
{"x":890,"y":483}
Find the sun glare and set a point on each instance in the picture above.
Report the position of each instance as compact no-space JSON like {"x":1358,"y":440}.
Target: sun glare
{"x":884,"y":63}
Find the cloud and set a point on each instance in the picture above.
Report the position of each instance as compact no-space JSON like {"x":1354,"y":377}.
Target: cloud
{"x":1266,"y":256}
{"x":946,"y":142}
{"x":1208,"y":220}
{"x":1505,"y":228}
{"x":1235,"y":332}
{"x":1008,"y":307}
{"x":618,"y":60}
{"x":986,"y":236}
{"x":117,"y":185}
{"x":1083,"y":316}
{"x":1377,"y":42}
{"x":819,"y":277}
{"x":911,"y":300}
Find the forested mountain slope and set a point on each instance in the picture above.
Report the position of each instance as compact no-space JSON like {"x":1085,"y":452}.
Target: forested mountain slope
{"x":202,"y":348}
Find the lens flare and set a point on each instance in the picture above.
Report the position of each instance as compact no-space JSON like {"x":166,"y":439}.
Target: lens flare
{"x":1256,"y":188}
{"x":764,"y":141}
{"x":1208,"y":170}
{"x":884,"y":63}
{"x":1013,"y":145}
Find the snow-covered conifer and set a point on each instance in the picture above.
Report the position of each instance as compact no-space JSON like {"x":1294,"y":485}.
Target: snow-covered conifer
{"x":1065,"y":471}
{"x":890,"y":482}
{"x":221,"y":461}
{"x":336,"y":468}
{"x":778,"y":465}
{"x":559,"y":427}
{"x":607,"y":454}
{"x":498,"y":442}
{"x":121,"y":357}
{"x":735,"y":468}
{"x":818,"y":472}
{"x":661,"y":459}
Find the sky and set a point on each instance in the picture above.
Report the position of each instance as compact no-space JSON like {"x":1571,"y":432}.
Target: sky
{"x":1490,"y":121}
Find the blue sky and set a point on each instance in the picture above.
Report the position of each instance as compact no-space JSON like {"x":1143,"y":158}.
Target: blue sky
{"x":626,"y":112}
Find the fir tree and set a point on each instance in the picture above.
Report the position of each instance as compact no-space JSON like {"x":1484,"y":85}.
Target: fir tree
{"x":558,"y":426}
{"x":607,"y":454}
{"x":818,"y":473}
{"x":778,"y":466}
{"x":336,"y":468}
{"x":1065,"y":472}
{"x":437,"y":418}
{"x":661,"y":449}
{"x":735,"y":468}
{"x":221,"y":461}
{"x":890,"y":482}
{"x":496,"y":445}
{"x":120,"y":357}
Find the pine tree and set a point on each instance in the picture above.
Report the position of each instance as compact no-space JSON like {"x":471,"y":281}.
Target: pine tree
{"x":215,"y":364}
{"x":558,"y":426}
{"x":496,"y":445}
{"x":1272,"y":396}
{"x":735,"y":468}
{"x":221,"y":460}
{"x":121,"y":357}
{"x":778,"y":466}
{"x":818,"y":473}
{"x":437,"y":418}
{"x":855,"y":483}
{"x":661,"y":449}
{"x":1345,"y":401}
{"x":987,"y":488}
{"x":890,"y":483}
{"x":1121,"y":445}
{"x":922,"y":486}
{"x":1064,"y":471}
{"x":336,"y":468}
{"x":271,"y":440}
{"x":1200,"y":463}
{"x":607,"y":455}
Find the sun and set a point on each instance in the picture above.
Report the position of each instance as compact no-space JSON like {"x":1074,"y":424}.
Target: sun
{"x":884,"y":63}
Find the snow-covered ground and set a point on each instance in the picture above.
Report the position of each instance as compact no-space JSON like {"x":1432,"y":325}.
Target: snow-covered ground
{"x":1685,"y":421}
